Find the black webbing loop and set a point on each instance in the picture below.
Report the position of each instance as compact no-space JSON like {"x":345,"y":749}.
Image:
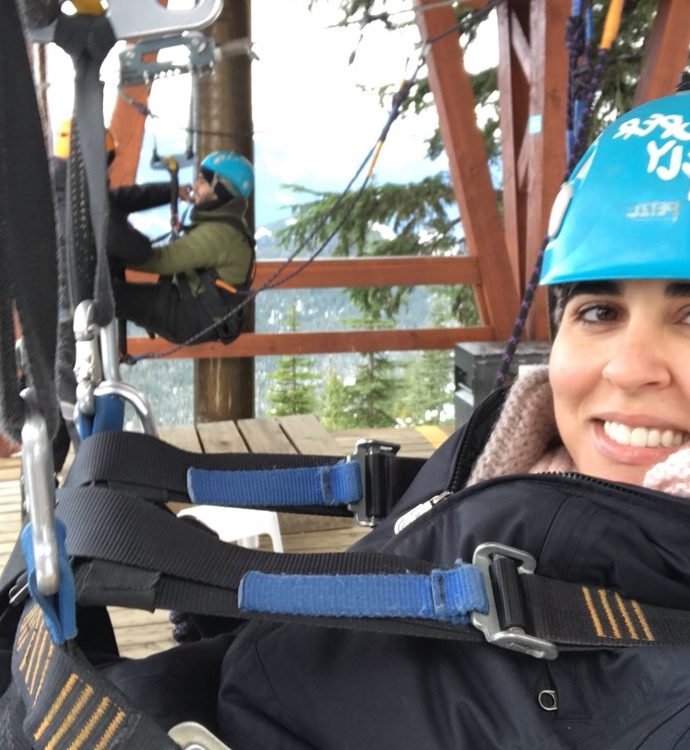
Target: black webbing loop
{"x":28,"y":255}
{"x":88,"y":39}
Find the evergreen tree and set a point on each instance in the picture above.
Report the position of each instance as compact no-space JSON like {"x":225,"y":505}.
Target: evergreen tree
{"x":427,"y":383}
{"x":370,"y":399}
{"x":333,"y":401}
{"x":422,"y":216}
{"x":292,"y":386}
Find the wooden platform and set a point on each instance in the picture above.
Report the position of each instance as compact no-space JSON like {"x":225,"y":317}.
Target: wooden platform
{"x":141,"y":633}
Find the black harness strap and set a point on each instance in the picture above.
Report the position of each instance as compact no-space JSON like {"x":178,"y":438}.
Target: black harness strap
{"x":68,"y":703}
{"x":126,"y":553}
{"x":28,"y":254}
{"x":88,"y":39}
{"x":114,"y":458}
{"x":121,"y":530}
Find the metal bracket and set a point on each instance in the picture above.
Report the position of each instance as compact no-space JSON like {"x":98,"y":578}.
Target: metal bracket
{"x":136,"y":69}
{"x":144,"y":19}
{"x":514,"y":639}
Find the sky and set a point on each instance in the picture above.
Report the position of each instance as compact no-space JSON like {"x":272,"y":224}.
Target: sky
{"x":316,"y":116}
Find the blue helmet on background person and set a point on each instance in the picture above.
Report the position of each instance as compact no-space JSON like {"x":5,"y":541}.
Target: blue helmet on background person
{"x":624,"y":213}
{"x":231,"y":170}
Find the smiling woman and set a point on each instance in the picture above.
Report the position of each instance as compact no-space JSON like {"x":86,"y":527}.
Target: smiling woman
{"x":566,"y":465}
{"x":619,"y":376}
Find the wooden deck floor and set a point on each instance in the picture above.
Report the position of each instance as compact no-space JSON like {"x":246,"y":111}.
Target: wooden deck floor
{"x":141,"y":633}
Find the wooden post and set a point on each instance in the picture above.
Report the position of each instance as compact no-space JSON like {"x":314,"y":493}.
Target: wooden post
{"x":548,"y":100}
{"x":514,"y":81}
{"x":532,"y":79}
{"x":665,"y":51}
{"x":496,"y":296}
{"x":224,"y":387}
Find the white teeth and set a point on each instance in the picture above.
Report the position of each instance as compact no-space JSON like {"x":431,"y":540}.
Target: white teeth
{"x":643,"y":437}
{"x":638,"y":437}
{"x":622,"y":434}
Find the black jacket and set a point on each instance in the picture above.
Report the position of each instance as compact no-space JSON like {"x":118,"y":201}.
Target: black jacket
{"x":292,"y":687}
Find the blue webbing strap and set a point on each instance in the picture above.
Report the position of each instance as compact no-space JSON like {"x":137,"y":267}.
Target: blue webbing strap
{"x":59,"y":610}
{"x":109,"y":415}
{"x":448,"y":595}
{"x":338,"y":484}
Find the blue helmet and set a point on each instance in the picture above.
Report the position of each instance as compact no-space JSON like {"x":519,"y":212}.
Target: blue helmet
{"x":624,"y":213}
{"x":232,"y":171}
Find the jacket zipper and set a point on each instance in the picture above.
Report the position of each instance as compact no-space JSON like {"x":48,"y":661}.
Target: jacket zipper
{"x":419,"y":510}
{"x":424,"y":507}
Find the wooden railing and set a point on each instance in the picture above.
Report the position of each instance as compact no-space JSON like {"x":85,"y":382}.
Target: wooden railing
{"x":338,"y":272}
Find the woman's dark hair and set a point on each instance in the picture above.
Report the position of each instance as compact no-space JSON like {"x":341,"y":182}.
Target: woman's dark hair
{"x":558,"y":296}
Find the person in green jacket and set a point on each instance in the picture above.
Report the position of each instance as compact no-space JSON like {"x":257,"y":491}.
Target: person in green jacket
{"x":204,"y":272}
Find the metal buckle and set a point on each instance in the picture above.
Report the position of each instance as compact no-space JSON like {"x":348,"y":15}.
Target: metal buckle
{"x":192,"y":736}
{"x":371,"y":482}
{"x":514,"y":638}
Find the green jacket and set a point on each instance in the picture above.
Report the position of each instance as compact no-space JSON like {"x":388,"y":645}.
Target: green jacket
{"x":211,"y":243}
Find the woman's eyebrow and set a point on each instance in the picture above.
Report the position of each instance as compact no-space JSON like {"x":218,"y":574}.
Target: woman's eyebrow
{"x":678,"y":289}
{"x":601,"y":287}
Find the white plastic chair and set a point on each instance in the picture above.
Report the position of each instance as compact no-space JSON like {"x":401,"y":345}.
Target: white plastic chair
{"x":240,"y":525}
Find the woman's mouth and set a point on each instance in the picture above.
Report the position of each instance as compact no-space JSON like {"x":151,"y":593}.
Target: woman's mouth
{"x":644,"y":437}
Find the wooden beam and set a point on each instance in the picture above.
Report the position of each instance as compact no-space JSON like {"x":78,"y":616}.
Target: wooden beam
{"x":665,"y":51}
{"x":321,"y":342}
{"x":497,"y":296}
{"x":360,"y":272}
{"x":513,"y":86}
{"x":548,"y":98}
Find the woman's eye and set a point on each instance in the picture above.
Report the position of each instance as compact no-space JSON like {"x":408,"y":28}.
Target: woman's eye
{"x":598,"y":314}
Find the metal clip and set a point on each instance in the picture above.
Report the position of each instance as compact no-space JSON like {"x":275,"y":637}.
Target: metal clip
{"x":39,"y":491}
{"x":192,"y":736}
{"x":136,"y":67}
{"x":92,"y":362}
{"x":373,"y":481}
{"x":514,"y":638}
{"x":87,"y":362}
{"x":132,"y":396}
{"x":144,"y":19}
{"x":19,"y":591}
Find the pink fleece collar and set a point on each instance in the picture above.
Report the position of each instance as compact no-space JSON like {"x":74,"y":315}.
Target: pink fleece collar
{"x":525,"y":440}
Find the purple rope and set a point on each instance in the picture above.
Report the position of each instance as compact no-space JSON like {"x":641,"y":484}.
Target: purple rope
{"x":580,"y":142}
{"x":519,"y":325}
{"x":583,"y":83}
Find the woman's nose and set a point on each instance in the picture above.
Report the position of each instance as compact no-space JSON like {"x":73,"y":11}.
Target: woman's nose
{"x":638,"y":359}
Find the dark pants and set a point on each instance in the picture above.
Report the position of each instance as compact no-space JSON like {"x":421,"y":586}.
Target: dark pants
{"x":161,"y":309}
